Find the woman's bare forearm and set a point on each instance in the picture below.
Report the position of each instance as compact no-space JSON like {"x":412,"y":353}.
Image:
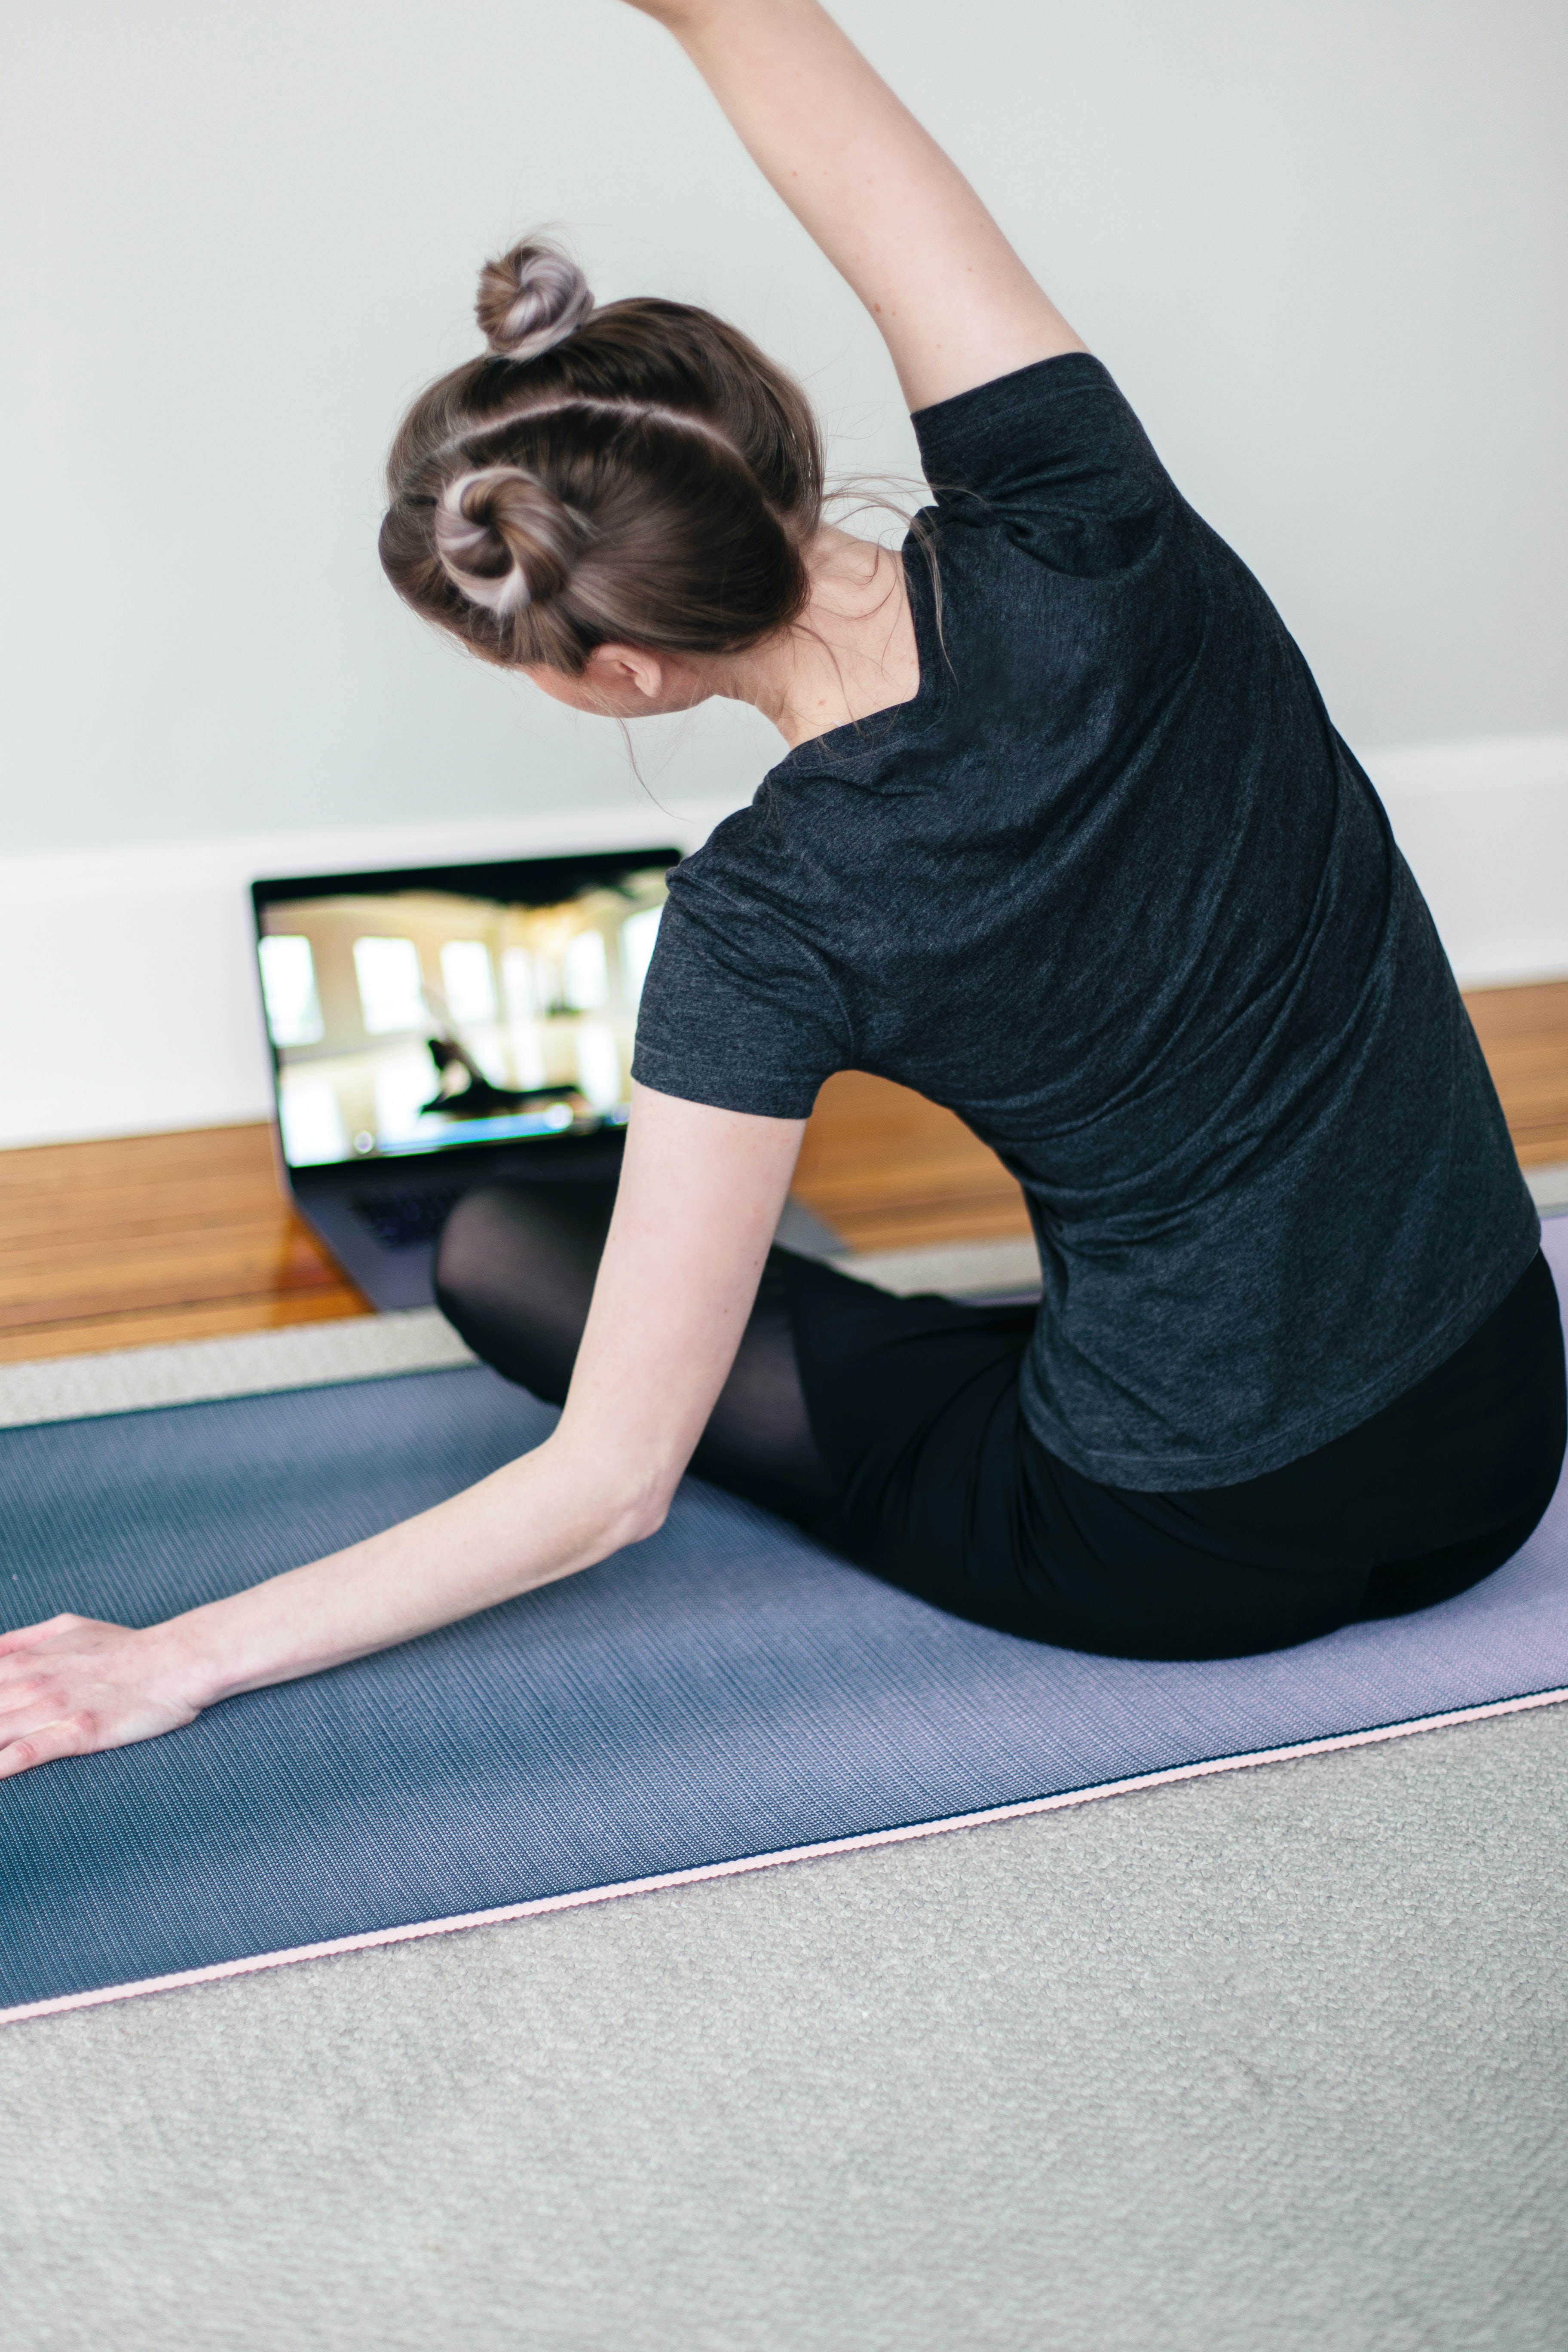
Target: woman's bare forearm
{"x":888,"y":207}
{"x":701,"y":1192}
{"x":538,"y":1519}
{"x":649,"y":1367}
{"x":73,"y":1685}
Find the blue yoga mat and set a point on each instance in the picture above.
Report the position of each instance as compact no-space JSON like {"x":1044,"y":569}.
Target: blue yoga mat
{"x":723,"y":1692}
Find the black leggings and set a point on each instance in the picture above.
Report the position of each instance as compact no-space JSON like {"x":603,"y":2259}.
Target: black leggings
{"x":890,"y":1429}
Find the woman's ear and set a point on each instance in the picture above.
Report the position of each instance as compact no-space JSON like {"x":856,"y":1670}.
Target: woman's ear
{"x":619,"y":670}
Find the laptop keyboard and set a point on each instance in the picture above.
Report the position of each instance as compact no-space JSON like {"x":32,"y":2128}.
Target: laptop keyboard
{"x":401,"y":1221}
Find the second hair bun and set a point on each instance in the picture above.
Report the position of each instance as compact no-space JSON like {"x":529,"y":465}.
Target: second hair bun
{"x":530,"y":299}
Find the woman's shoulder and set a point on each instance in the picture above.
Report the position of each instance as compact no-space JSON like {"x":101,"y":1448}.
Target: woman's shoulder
{"x":743,"y":875}
{"x":792,"y":879}
{"x":1054,"y":458}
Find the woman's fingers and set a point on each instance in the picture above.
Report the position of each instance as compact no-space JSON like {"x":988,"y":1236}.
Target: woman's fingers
{"x":73,"y":1686}
{"x":38,"y":1736}
{"x":26,"y":1637}
{"x":68,"y":1736}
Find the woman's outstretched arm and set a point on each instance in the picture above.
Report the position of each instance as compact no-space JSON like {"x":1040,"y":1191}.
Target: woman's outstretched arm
{"x":700,"y":1197}
{"x":895,"y":217}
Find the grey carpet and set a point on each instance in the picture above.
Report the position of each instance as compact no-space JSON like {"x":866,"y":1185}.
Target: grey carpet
{"x":1277,"y":2060}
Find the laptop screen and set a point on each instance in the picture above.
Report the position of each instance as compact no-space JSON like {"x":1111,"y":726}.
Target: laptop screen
{"x":434,"y":1008}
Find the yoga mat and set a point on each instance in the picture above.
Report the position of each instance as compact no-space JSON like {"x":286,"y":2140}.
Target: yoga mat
{"x":721,"y":1696}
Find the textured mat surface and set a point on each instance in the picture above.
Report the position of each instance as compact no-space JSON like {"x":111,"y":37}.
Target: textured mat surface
{"x":722,"y":1691}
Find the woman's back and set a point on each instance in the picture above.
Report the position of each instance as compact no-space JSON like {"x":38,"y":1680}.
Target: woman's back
{"x":1111,"y":887}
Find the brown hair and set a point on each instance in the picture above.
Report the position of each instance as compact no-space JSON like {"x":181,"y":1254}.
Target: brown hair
{"x":639,"y":475}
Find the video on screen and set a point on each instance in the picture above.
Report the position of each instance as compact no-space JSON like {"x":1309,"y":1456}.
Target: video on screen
{"x":416,"y":1019}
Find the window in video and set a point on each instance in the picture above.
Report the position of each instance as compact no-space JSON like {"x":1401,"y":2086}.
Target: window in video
{"x":413,"y":1020}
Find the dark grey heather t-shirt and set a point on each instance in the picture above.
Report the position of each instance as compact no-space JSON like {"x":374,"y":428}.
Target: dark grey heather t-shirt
{"x":1112,"y":888}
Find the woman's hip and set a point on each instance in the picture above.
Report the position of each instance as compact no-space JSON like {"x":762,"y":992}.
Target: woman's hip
{"x":942,"y":1488}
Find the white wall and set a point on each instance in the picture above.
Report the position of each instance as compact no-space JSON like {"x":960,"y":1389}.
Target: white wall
{"x":1319,"y":241}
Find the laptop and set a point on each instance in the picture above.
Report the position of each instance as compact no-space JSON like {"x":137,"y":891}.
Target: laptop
{"x":434,"y":1028}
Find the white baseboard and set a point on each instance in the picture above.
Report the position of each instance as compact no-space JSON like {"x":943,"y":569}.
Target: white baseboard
{"x":129,"y":977}
{"x":1485,"y":827}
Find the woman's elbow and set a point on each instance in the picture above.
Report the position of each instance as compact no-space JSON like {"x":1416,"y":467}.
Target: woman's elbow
{"x":614,"y":1502}
{"x":630,"y":1514}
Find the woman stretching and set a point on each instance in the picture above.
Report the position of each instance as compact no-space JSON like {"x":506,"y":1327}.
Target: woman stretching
{"x":1064,"y":839}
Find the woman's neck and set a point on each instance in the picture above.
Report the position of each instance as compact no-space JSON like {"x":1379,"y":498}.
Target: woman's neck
{"x":851,"y":653}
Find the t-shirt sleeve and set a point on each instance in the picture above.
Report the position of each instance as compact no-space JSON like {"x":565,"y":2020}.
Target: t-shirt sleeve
{"x":1054,"y":455}
{"x":737,"y":1010}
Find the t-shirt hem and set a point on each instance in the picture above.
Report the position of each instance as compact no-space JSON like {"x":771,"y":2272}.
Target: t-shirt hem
{"x":1140,"y":1473}
{"x":723,"y":1090}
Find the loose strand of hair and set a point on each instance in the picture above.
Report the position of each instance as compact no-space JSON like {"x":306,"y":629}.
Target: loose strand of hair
{"x":871,"y":499}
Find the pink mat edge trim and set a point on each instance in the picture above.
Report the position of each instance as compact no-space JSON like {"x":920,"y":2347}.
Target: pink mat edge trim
{"x":742,"y":1863}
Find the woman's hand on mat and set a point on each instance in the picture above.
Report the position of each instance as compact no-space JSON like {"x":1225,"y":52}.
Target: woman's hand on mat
{"x":74,"y":1684}
{"x":698,"y":1204}
{"x":951,"y":301}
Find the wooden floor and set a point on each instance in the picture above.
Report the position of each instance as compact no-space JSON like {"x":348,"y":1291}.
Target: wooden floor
{"x":161,"y":1237}
{"x":152,"y":1238}
{"x":1524,"y":1037}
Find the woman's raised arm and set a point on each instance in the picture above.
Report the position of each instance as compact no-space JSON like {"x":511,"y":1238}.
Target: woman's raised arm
{"x":895,"y":217}
{"x":699,"y":1198}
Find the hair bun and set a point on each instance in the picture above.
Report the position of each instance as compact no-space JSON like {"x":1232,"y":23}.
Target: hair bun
{"x":530,"y":299}
{"x":504,"y":539}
